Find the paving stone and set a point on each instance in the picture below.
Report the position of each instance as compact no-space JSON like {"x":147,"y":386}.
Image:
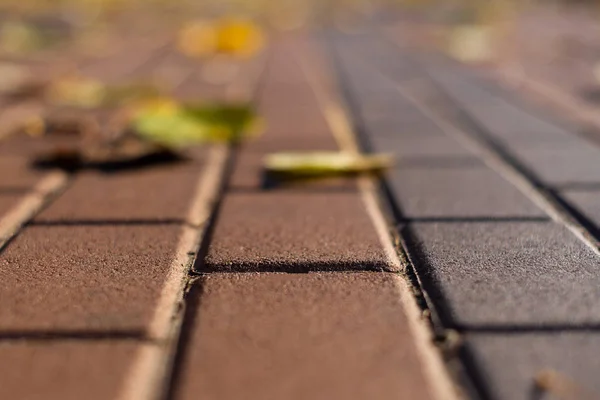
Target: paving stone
{"x":501,"y":118}
{"x":136,"y":55}
{"x":301,"y":336}
{"x":555,"y":155}
{"x":563,"y":164}
{"x":289,"y":231}
{"x":508,"y":273}
{"x":84,"y":277}
{"x":63,"y":370}
{"x":509,"y":363}
{"x":293,"y":113}
{"x":161,"y":193}
{"x":458,"y":193}
{"x":16,"y":174}
{"x":8,"y":201}
{"x":415,"y":145}
{"x":23,"y":145}
{"x":268,"y":143}
{"x":587,"y":202}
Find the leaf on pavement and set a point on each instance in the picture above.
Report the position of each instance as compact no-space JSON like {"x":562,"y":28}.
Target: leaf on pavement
{"x":324,"y":164}
{"x":174,"y":125}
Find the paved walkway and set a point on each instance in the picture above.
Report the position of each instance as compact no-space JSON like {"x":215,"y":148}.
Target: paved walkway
{"x":467,"y":272}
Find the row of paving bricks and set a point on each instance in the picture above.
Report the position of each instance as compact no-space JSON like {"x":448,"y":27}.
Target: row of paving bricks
{"x":194,"y":280}
{"x":497,"y":205}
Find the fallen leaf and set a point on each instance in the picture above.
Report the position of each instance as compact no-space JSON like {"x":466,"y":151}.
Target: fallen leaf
{"x":173,"y":125}
{"x":324,"y":164}
{"x":232,"y":36}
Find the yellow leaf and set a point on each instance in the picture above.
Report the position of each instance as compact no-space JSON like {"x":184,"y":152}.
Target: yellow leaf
{"x":238,"y":36}
{"x":231,"y":36}
{"x":325,"y":163}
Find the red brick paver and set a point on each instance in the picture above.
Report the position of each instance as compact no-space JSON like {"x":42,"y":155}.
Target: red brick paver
{"x":300,"y":336}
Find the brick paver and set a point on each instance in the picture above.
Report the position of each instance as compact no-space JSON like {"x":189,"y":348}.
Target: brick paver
{"x":84,"y":277}
{"x":64,"y":370}
{"x":299,"y":336}
{"x":276,"y":231}
{"x":127,"y":196}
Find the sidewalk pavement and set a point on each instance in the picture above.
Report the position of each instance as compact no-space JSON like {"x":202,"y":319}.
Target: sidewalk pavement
{"x":466,"y":272}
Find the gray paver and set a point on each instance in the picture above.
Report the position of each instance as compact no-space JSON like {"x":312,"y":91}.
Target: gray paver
{"x":563,"y":163}
{"x":510,"y":363}
{"x":588,"y":202}
{"x":510,"y":273}
{"x":458,"y":192}
{"x":417,"y":145}
{"x":504,"y":119}
{"x":555,"y":155}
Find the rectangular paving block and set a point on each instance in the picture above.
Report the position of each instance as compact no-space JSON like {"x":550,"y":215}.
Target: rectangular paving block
{"x":291,"y":231}
{"x":562,"y":164}
{"x":510,"y":363}
{"x":162,"y":193}
{"x":415,"y":144}
{"x":32,"y":148}
{"x":291,"y":141}
{"x":554,"y":155}
{"x":446,"y":192}
{"x":8,"y":201}
{"x":16,"y":173}
{"x":503,"y":119}
{"x":135,"y":55}
{"x":300,"y":336}
{"x":64,"y":370}
{"x":508,"y":273}
{"x":586,"y":202}
{"x":84,"y":277}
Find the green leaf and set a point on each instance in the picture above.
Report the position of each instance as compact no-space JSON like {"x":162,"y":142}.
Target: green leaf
{"x":174,"y":125}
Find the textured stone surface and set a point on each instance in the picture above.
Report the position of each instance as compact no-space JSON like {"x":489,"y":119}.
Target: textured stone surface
{"x":8,"y":201}
{"x":587,"y":202}
{"x":301,"y":336}
{"x":510,"y":363}
{"x":31,"y":148}
{"x":458,"y":192}
{"x":576,"y":162}
{"x":64,"y":370}
{"x":16,"y":173}
{"x":294,"y":231}
{"x":509,"y":273}
{"x":84,"y":277}
{"x":415,"y":145}
{"x":503,"y":119}
{"x":555,"y":155}
{"x":161,"y":193}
